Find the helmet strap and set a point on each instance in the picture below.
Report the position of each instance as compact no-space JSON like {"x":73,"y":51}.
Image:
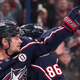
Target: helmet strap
{"x":7,"y":52}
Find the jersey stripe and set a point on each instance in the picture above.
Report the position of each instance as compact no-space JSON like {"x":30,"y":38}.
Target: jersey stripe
{"x":31,"y":43}
{"x":41,"y":70}
{"x":52,"y":34}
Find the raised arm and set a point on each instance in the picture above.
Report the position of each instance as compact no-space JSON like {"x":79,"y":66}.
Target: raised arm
{"x":50,"y":40}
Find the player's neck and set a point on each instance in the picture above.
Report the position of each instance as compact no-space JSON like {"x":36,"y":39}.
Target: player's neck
{"x":3,"y":55}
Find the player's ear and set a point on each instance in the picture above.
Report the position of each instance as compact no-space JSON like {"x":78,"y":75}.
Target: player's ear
{"x":4,"y":42}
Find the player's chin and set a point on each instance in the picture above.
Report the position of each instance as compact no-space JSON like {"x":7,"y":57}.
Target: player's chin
{"x":18,"y":49}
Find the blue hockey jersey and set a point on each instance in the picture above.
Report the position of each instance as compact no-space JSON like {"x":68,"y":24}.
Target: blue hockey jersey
{"x":46,"y":68}
{"x":18,"y":67}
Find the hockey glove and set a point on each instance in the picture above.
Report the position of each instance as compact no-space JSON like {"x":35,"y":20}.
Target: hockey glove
{"x":72,"y":21}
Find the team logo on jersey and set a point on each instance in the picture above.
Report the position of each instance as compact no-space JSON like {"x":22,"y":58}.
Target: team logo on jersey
{"x":17,"y":74}
{"x":22,"y":57}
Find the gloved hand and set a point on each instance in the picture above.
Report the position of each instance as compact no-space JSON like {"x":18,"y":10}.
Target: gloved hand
{"x":72,"y":21}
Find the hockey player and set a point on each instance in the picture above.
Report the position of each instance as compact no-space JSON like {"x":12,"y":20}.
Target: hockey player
{"x":17,"y":67}
{"x":46,"y":66}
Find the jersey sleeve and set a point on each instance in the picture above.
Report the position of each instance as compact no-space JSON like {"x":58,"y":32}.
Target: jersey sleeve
{"x":48,"y":41}
{"x":54,"y":37}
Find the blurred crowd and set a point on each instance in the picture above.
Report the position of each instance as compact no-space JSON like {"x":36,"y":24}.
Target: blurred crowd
{"x":48,"y":14}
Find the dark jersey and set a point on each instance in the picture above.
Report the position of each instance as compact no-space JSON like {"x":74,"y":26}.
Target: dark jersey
{"x":46,"y":68}
{"x":17,"y":68}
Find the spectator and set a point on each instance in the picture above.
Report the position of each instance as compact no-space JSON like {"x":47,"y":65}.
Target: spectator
{"x":7,"y":14}
{"x":42,"y":13}
{"x":67,"y":65}
{"x":50,"y":6}
{"x":77,"y":53}
{"x":61,"y":9}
